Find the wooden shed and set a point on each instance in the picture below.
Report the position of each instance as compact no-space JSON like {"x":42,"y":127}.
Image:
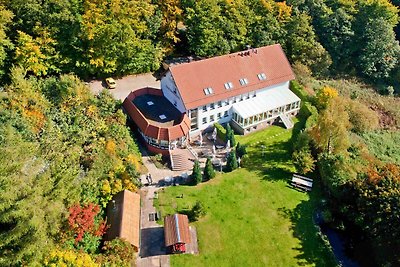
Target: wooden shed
{"x":176,"y":232}
{"x":123,"y":216}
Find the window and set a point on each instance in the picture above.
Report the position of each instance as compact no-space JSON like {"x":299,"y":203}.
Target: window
{"x":205,"y":108}
{"x":208,"y":91}
{"x":228,"y":85}
{"x":226,"y":113}
{"x":211,"y":118}
{"x":219,"y":115}
{"x":219,"y":104}
{"x":204,"y":120}
{"x":262,"y":76}
{"x":175,"y":103}
{"x":243,"y":81}
{"x":212,"y":106}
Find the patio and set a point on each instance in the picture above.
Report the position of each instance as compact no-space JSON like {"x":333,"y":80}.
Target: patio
{"x":209,"y":145}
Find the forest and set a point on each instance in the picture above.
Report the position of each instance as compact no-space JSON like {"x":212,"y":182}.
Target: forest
{"x":64,"y":152}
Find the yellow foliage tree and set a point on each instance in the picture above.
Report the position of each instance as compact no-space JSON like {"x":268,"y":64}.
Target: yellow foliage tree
{"x":324,"y":95}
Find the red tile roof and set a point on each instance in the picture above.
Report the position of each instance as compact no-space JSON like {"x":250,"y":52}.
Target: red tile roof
{"x":192,"y":78}
{"x":176,"y":229}
{"x":123,"y":216}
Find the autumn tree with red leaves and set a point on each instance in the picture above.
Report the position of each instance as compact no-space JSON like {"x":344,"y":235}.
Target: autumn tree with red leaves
{"x":83,"y":220}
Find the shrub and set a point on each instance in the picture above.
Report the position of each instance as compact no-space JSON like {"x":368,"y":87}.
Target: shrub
{"x":231,"y":162}
{"x":361,"y":117}
{"x":69,"y":258}
{"x":197,"y":211}
{"x":117,"y":252}
{"x":209,"y":171}
{"x":303,"y":161}
{"x":196,"y":174}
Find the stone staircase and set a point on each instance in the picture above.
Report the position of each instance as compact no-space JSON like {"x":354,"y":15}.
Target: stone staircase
{"x":286,"y":121}
{"x":181,"y":159}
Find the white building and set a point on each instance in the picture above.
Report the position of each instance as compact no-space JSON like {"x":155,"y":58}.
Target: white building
{"x":250,"y":89}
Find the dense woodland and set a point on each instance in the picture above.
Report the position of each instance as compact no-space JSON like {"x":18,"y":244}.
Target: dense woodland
{"x":64,"y":152}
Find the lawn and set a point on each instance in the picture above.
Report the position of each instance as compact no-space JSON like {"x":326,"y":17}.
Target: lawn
{"x":253,"y":217}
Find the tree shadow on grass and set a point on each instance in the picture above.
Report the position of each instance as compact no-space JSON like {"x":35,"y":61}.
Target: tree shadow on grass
{"x":312,"y":249}
{"x":274,"y":163}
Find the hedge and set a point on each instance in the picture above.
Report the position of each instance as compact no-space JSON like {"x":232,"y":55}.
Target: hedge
{"x":298,"y":89}
{"x":221,"y":131}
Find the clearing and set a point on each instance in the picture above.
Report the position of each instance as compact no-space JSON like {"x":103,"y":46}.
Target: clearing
{"x":253,"y":217}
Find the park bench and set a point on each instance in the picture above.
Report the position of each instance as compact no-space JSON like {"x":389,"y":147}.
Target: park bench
{"x":301,"y":182}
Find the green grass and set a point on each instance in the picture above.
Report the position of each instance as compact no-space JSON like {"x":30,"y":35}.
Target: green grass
{"x":253,"y":217}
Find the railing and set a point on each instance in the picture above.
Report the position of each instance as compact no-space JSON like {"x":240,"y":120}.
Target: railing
{"x":191,"y":150}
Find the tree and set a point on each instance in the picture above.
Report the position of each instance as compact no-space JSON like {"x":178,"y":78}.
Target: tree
{"x":331,"y":132}
{"x":209,"y":171}
{"x":302,"y":45}
{"x":204,"y":32}
{"x":231,"y":163}
{"x":196,"y":173}
{"x":323,"y":97}
{"x":197,"y":211}
{"x":34,"y":54}
{"x":171,"y":14}
{"x":379,"y":51}
{"x":31,"y":206}
{"x":241,"y":150}
{"x":117,"y":37}
{"x":230,"y":135}
{"x":5,"y":42}
{"x":81,"y":220}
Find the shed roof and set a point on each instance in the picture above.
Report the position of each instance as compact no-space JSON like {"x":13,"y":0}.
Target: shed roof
{"x":192,"y":78}
{"x":176,"y":229}
{"x":123,"y":214}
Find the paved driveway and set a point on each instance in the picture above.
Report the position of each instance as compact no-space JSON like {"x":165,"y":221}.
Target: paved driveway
{"x":126,"y":84}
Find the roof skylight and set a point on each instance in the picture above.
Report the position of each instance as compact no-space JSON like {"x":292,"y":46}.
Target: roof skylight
{"x":162,"y":116}
{"x":208,"y":91}
{"x":228,"y":85}
{"x":243,"y":81}
{"x":262,"y":76}
{"x":150,"y":103}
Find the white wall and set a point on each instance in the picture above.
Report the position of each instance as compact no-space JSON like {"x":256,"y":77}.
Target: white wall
{"x":168,"y":87}
{"x":225,"y":107}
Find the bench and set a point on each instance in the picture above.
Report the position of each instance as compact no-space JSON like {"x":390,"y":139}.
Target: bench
{"x":302,"y":182}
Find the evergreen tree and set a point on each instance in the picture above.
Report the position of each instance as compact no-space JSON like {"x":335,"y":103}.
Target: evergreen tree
{"x":209,"y":171}
{"x":196,"y":174}
{"x":240,"y":150}
{"x":231,"y":163}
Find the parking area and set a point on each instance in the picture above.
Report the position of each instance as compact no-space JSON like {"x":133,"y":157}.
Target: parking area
{"x":126,"y":84}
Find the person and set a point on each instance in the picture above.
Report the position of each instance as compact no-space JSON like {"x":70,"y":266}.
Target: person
{"x":150,"y":179}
